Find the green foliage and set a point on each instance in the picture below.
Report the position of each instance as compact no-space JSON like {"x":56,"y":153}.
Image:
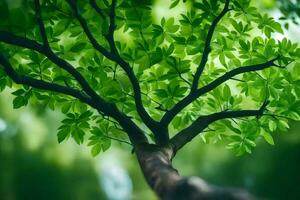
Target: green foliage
{"x":75,"y":125}
{"x":164,"y":55}
{"x":22,"y":97}
{"x":99,"y":141}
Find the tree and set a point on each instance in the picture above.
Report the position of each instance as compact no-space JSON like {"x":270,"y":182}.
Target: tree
{"x":214,"y":72}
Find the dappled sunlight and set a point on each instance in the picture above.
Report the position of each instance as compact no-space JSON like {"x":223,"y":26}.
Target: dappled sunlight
{"x":162,"y":9}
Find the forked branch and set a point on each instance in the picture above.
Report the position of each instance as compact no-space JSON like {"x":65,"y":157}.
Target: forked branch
{"x":88,"y":32}
{"x":9,"y":38}
{"x":187,"y":134}
{"x":168,"y":117}
{"x":113,"y":55}
{"x":134,"y":133}
{"x":43,"y":85}
{"x":207,"y":48}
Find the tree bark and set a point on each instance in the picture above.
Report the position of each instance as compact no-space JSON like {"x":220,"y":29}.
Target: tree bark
{"x":156,"y":165}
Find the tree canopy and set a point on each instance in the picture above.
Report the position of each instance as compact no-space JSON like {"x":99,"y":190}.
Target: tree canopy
{"x":113,"y":68}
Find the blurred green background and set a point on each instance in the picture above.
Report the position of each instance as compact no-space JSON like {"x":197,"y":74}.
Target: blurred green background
{"x":33,"y":166}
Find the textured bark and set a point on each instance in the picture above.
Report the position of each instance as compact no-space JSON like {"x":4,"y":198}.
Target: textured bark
{"x":156,"y":164}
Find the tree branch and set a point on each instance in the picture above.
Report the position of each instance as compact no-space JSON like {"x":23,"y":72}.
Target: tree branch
{"x":88,"y":32}
{"x":41,"y":24}
{"x":168,"y":117}
{"x":39,"y":84}
{"x":207,"y":48}
{"x":31,"y":44}
{"x":194,"y":93}
{"x":114,"y":56}
{"x":135,"y":134}
{"x":12,"y":39}
{"x":227,"y":76}
{"x":112,"y":26}
{"x":187,"y":134}
{"x":97,"y":8}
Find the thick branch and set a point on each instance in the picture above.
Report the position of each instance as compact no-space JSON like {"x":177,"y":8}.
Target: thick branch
{"x":31,"y":44}
{"x":135,"y":134}
{"x":187,"y":134}
{"x":207,"y":48}
{"x":9,"y":38}
{"x":153,"y":125}
{"x":114,"y":56}
{"x":157,"y":168}
{"x":167,"y":118}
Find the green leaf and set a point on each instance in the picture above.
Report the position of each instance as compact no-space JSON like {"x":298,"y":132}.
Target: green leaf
{"x":244,"y":45}
{"x":222,"y":59}
{"x":77,"y":134}
{"x":161,"y":93}
{"x":63,"y":134}
{"x":3,"y":83}
{"x":106,"y":143}
{"x":19,"y":92}
{"x":19,"y":101}
{"x":295,"y":116}
{"x":272,"y":125}
{"x":174,"y":4}
{"x":283,"y":125}
{"x":170,"y":50}
{"x":96,"y":149}
{"x":250,"y":143}
{"x":268,"y":137}
{"x":268,"y":31}
{"x":66,"y":107}
{"x":277,"y":27}
{"x":226,"y":92}
{"x":78,"y":47}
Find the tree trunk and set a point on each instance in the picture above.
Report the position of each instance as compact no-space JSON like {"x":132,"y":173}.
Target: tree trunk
{"x":156,"y":164}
